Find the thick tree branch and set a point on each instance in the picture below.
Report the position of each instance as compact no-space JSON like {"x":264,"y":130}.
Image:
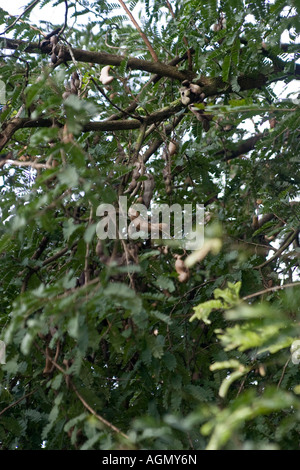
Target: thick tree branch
{"x":102,"y":58}
{"x":10,"y":127}
{"x":211,"y":86}
{"x":123,"y":124}
{"x":242,"y":147}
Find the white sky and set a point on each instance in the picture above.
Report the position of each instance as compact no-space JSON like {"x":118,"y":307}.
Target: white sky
{"x":47,"y":13}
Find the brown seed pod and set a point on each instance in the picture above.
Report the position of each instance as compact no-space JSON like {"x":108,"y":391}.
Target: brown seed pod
{"x":148,"y":186}
{"x":61,"y":52}
{"x":105,"y":78}
{"x":167,"y":179}
{"x":172,"y":147}
{"x":203,"y":118}
{"x":135,"y":177}
{"x":44,"y":44}
{"x":54,"y":40}
{"x":138,"y":224}
{"x":185,"y":95}
{"x":195,"y":89}
{"x":75,"y":80}
{"x":190,"y":93}
{"x":66,"y":94}
{"x":169,"y":189}
{"x":181,"y":269}
{"x":133,"y":213}
{"x":205,"y":124}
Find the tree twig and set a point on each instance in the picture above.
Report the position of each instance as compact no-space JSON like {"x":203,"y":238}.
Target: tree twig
{"x":189,"y":55}
{"x":271,"y":289}
{"x":34,"y":165}
{"x":143,"y":35}
{"x":66,"y":20}
{"x":99,"y":88}
{"x":17,"y":401}
{"x":85,"y":404}
{"x":283,"y":372}
{"x":23,"y":13}
{"x":289,"y":239}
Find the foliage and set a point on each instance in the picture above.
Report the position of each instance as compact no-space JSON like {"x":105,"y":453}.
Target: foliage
{"x":106,"y":348}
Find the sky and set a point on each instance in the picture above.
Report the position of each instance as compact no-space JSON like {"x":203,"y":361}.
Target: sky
{"x":47,"y":13}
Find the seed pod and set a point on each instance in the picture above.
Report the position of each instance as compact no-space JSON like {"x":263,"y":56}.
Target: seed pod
{"x":99,"y":248}
{"x":206,"y":125}
{"x":44,"y":44}
{"x":61,"y":52}
{"x":54,"y":40}
{"x":181,"y":269}
{"x":148,"y":189}
{"x":135,"y":177}
{"x":172,"y":147}
{"x":195,"y":89}
{"x":190,"y":93}
{"x":66,"y":94}
{"x":165,"y":172}
{"x":75,"y":80}
{"x":185,"y":95}
{"x":105,"y":78}
{"x":133,"y":213}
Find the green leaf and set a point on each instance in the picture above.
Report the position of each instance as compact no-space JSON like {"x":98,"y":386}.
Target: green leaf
{"x":68,"y":177}
{"x":202,"y":311}
{"x":226,"y":68}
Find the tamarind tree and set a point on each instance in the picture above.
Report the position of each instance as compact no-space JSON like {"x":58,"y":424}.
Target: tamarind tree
{"x":141,"y":343}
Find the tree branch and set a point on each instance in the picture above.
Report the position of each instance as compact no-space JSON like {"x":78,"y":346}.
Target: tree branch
{"x":85,"y":404}
{"x":122,"y":124}
{"x":243,"y":147}
{"x":143,"y":35}
{"x":18,"y":17}
{"x":18,"y":401}
{"x":271,"y":289}
{"x":287,"y":242}
{"x":210,"y":85}
{"x":102,"y":58}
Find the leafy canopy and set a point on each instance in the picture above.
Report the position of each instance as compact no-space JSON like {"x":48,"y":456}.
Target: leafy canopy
{"x":140,"y":344}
